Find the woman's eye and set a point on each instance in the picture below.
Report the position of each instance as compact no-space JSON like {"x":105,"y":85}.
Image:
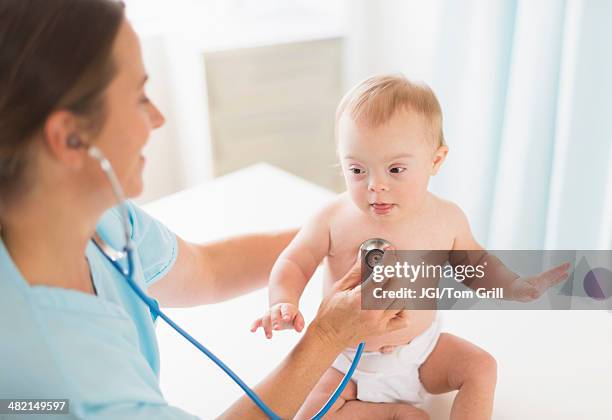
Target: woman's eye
{"x":397,"y":170}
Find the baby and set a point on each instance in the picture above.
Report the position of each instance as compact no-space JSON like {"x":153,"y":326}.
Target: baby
{"x":389,"y":142}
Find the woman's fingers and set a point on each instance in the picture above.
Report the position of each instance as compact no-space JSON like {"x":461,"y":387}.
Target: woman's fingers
{"x":351,"y":279}
{"x":389,"y":258}
{"x":341,"y":317}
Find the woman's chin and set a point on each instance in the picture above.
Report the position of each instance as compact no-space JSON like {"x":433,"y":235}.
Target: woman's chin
{"x":134,"y":189}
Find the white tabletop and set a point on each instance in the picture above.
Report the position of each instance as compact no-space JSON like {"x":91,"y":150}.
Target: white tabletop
{"x":551,"y":364}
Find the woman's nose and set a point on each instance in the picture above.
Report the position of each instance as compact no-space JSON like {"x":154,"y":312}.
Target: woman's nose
{"x":157,"y":118}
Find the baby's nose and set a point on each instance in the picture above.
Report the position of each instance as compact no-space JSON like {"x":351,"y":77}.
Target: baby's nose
{"x":377,"y":186}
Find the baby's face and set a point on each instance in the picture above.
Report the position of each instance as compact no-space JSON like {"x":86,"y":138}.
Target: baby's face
{"x":387,"y":168}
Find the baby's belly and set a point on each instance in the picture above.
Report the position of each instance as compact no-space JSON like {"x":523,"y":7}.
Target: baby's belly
{"x":417,"y":322}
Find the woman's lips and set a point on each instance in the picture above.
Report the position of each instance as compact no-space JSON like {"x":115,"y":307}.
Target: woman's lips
{"x":381,"y":208}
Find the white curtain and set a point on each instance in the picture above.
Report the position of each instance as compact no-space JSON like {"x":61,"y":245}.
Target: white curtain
{"x":526,"y":93}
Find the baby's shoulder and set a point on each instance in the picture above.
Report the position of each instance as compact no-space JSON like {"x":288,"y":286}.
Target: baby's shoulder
{"x":336,"y":207}
{"x":330,"y":212}
{"x":447,"y":210}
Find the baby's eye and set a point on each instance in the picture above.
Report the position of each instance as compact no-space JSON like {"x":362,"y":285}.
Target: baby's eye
{"x":357,"y":171}
{"x":397,"y":170}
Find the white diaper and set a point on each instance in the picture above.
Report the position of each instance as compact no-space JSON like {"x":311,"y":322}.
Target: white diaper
{"x":392,"y":377}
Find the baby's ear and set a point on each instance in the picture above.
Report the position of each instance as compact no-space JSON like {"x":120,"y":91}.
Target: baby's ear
{"x":438,"y":158}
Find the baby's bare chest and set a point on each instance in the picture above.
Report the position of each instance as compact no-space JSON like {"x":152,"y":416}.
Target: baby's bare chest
{"x":349,"y":231}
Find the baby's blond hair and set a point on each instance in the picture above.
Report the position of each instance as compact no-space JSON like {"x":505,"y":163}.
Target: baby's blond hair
{"x":375,"y":100}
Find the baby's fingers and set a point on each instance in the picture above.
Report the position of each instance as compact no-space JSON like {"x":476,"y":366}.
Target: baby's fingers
{"x":267,"y":325}
{"x":299,"y":322}
{"x":256,"y":324}
{"x":277,"y":318}
{"x":288,"y":312}
{"x":531,"y":293}
{"x":553,"y":276}
{"x":527,"y":292}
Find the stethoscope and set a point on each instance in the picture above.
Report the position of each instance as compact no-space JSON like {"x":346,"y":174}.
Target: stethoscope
{"x":372,"y":249}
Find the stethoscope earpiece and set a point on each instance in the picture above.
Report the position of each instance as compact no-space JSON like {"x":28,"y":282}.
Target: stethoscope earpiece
{"x":74,"y":141}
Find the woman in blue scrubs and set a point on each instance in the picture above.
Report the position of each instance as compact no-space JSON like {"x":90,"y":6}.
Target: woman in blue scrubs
{"x":70,"y":326}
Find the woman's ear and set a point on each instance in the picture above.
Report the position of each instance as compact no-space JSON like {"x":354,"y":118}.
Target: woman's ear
{"x":59,"y":133}
{"x":438,"y":158}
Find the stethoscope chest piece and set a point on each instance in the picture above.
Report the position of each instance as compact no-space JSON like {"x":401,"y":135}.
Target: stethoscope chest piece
{"x":372,"y":251}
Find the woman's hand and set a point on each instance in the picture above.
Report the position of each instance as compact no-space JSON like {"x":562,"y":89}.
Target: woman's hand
{"x":341,"y":320}
{"x":339,"y":323}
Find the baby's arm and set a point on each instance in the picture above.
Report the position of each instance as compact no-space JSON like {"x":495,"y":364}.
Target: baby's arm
{"x":291,"y":272}
{"x":497,"y":275}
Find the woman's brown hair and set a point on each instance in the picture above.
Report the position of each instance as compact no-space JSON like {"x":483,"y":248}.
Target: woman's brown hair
{"x":54,"y":54}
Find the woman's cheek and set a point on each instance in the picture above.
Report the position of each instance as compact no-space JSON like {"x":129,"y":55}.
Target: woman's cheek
{"x":143,"y":134}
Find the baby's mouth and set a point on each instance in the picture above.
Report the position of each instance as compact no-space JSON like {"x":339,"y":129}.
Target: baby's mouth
{"x":381,"y":207}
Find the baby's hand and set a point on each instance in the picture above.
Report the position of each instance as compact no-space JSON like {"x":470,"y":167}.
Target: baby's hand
{"x":281,"y":316}
{"x":526,"y":289}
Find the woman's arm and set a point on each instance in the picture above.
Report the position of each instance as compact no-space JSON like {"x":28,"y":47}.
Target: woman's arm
{"x":285,"y":389}
{"x":221,"y":270}
{"x":339,"y":323}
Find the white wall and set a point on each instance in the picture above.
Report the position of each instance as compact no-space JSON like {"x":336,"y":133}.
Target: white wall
{"x":175,"y":36}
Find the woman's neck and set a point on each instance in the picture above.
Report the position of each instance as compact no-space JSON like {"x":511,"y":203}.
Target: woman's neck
{"x":47,"y":238}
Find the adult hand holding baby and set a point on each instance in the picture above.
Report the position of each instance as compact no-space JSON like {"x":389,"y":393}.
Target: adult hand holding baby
{"x":341,"y":319}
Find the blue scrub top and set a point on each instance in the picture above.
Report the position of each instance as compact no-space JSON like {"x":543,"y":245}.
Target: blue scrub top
{"x":100,"y":351}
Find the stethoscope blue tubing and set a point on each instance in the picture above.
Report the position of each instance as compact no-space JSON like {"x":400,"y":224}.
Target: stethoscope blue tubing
{"x":154,"y":308}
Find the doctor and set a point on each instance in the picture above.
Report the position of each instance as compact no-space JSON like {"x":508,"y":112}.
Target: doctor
{"x":71,"y":75}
